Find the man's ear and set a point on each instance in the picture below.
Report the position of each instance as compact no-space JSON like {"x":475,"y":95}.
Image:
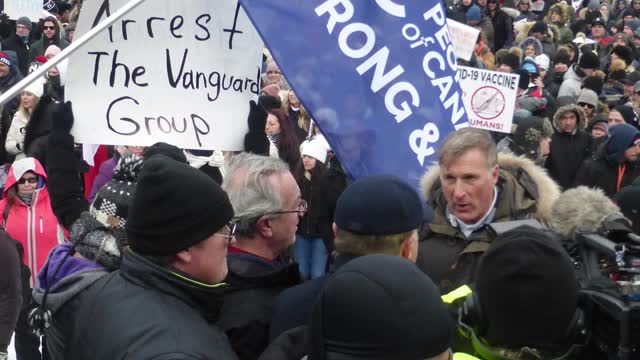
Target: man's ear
{"x":334,"y":227}
{"x":263,"y":227}
{"x":183,"y":256}
{"x":409,"y":248}
{"x":495,"y":174}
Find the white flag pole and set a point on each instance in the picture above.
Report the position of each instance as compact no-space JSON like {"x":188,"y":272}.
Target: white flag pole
{"x":75,"y":45}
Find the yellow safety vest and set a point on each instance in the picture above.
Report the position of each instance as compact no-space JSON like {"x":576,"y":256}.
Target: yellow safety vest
{"x":463,"y":356}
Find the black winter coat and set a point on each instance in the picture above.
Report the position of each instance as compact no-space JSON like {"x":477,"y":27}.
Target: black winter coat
{"x":10,"y":288}
{"x":503,"y":30}
{"x":64,"y":181}
{"x":567,"y":153}
{"x":293,"y":307}
{"x":145,"y":311}
{"x":308,"y":226}
{"x":332,"y":184}
{"x":8,"y":110}
{"x":598,"y":171}
{"x":14,"y":43}
{"x":38,"y":129}
{"x":246,"y":312}
{"x":293,"y":118}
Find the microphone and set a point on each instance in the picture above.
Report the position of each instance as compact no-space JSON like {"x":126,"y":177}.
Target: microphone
{"x":583,"y":209}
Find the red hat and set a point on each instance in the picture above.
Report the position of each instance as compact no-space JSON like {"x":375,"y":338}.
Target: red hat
{"x":4,"y":58}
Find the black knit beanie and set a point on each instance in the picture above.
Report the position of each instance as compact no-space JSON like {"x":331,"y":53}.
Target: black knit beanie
{"x":379,"y":307}
{"x":163,"y":148}
{"x":527,"y":289}
{"x":629,"y":114}
{"x":176,"y":206}
{"x":593,"y":82}
{"x":589,"y":60}
{"x":624,"y":53}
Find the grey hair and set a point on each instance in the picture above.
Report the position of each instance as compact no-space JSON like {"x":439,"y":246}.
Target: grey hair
{"x":250,"y":190}
{"x":459,"y":142}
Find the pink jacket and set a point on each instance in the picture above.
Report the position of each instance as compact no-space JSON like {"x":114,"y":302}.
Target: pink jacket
{"x":35,"y":226}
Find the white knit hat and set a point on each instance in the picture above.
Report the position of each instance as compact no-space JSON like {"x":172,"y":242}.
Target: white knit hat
{"x":315,"y":149}
{"x":36,"y":88}
{"x":542,"y":61}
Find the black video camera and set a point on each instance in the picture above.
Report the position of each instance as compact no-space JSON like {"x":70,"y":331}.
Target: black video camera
{"x":608,"y":264}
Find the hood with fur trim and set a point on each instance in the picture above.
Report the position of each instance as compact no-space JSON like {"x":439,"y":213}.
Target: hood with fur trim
{"x":582,"y":118}
{"x":522,"y":31}
{"x":563,"y":9}
{"x":534,"y":185}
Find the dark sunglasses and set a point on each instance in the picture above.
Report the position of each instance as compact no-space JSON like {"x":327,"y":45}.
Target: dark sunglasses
{"x":587,"y":105}
{"x":49,"y":27}
{"x":31,"y":180}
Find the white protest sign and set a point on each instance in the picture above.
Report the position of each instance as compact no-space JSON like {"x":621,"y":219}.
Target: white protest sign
{"x":463,"y":38}
{"x":181,"y":72}
{"x":576,"y":4}
{"x":18,"y":8}
{"x":489,"y":98}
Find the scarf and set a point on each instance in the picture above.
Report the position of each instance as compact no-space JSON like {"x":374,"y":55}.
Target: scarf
{"x":26,"y":198}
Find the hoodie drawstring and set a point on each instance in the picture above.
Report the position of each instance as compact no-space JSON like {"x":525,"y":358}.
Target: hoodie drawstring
{"x":621,"y":170}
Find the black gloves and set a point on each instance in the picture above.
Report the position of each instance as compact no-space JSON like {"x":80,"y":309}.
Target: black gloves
{"x":255,"y":141}
{"x":62,"y":118}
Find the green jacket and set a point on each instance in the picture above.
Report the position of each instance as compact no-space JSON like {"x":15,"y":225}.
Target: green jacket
{"x":39,"y":47}
{"x":450,"y":258}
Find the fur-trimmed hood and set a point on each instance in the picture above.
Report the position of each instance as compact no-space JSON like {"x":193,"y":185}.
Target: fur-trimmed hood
{"x":563,"y":9}
{"x":582,"y":118}
{"x":523,"y":28}
{"x":510,"y":165}
{"x":569,"y":212}
{"x":537,"y":45}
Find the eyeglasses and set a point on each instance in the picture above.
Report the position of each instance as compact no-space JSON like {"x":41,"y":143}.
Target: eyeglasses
{"x":31,"y":180}
{"x":302,"y":207}
{"x":232,"y":230}
{"x":586,"y":105}
{"x":49,"y":27}
{"x":21,"y":27}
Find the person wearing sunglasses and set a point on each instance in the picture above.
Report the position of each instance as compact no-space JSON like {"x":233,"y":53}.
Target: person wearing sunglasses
{"x":50,"y":36}
{"x":588,"y":101}
{"x":28,"y":217}
{"x":268,"y":206}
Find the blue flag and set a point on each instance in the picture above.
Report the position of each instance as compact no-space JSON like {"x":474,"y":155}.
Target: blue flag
{"x":378,"y":77}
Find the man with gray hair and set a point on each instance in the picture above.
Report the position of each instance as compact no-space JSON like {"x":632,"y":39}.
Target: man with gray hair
{"x":471,"y":187}
{"x":267,"y":205}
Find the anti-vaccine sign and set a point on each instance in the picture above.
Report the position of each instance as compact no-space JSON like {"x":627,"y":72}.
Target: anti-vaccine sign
{"x":378,"y":77}
{"x":489,"y":97}
{"x":182,"y":72}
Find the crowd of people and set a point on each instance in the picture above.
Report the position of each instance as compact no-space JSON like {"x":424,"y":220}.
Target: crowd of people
{"x":276,"y":253}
